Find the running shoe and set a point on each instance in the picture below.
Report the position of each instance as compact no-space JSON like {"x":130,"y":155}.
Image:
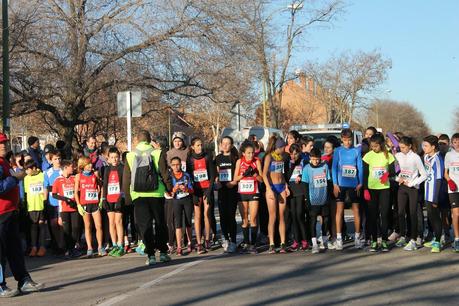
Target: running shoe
{"x":436,"y":247}
{"x":179,"y":252}
{"x":120,"y":252}
{"x":456,"y":246}
{"x":304,"y":245}
{"x":357,"y":243}
{"x":113,"y":251}
{"x":401,"y":242}
{"x":315,"y":249}
{"x":102,"y":252}
{"x":75,"y":253}
{"x":394,"y":236}
{"x":127,"y":249}
{"x":429,"y":243}
{"x":252,"y":249}
{"x":41,"y":252}
{"x":244,"y":248}
{"x":6,"y":292}
{"x":332,"y":245}
{"x":30,"y":286}
{"x":89,"y":254}
{"x":189,"y":248}
{"x":272,"y":249}
{"x":33,"y":252}
{"x":419,"y":242}
{"x":282,"y":249}
{"x":201,"y":250}
{"x":225,"y":245}
{"x":163,"y":257}
{"x":208,"y":245}
{"x":374,"y":246}
{"x":151,"y":260}
{"x":442,"y":240}
{"x":384,"y":246}
{"x":140,"y":249}
{"x":232,"y":247}
{"x":294,"y":246}
{"x":339,"y":244}
{"x":411,"y":246}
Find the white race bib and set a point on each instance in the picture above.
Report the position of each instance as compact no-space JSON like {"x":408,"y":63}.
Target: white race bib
{"x":349,"y":171}
{"x":454,"y":168}
{"x":184,"y":166}
{"x":277,"y":167}
{"x":200,"y":175}
{"x":320,"y":181}
{"x":296,"y":173}
{"x":378,"y":172}
{"x":69,"y":193}
{"x":35,"y":189}
{"x":113,"y":188}
{"x":406,"y":174}
{"x":224,"y":175}
{"x":91,"y":195}
{"x":246,"y":186}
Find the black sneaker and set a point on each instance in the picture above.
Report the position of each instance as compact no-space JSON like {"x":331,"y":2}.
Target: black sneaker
{"x":31,"y":286}
{"x":6,"y":292}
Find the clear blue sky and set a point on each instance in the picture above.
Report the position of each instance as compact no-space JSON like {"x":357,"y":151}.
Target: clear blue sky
{"x":420,"y":36}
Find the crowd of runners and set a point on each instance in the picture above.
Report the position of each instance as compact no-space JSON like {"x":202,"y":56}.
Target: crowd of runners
{"x":290,"y":197}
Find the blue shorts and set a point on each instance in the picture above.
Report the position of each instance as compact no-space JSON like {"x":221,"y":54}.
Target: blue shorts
{"x":278,"y":188}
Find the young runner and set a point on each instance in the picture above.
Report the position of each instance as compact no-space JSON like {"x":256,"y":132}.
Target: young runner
{"x":227,"y":192}
{"x":316,"y":176}
{"x":434,"y":165}
{"x":113,"y":200}
{"x":247,"y":175}
{"x":276,"y":190}
{"x":34,"y":190}
{"x":182,"y":202}
{"x":307,"y":143}
{"x":378,"y":167}
{"x":452,"y":177}
{"x":87,"y":192}
{"x":347,"y":184}
{"x":292,"y":137}
{"x":69,"y":218}
{"x":297,"y":197}
{"x":412,"y":173}
{"x":202,"y":169}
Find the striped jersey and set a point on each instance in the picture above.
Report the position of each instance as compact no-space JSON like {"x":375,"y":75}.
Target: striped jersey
{"x":435,"y":168}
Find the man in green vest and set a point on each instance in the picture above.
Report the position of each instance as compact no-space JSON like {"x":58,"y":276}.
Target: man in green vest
{"x":145,"y":181}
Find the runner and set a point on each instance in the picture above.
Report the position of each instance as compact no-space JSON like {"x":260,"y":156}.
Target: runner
{"x":297,"y":197}
{"x":90,"y":150}
{"x":69,"y":218}
{"x":182,"y":203}
{"x":34,"y":150}
{"x":47,"y":157}
{"x":347,"y":176}
{"x":412,"y":173}
{"x":227,"y":192}
{"x":145,"y":182}
{"x":34,"y":190}
{"x":392,"y":143}
{"x":378,"y":167}
{"x":292,"y":137}
{"x":443,"y":199}
{"x":452,"y":177}
{"x":247,"y":176}
{"x":86,"y":193}
{"x":317,"y":177}
{"x":113,"y":200}
{"x":202,"y":170}
{"x":52,"y":206}
{"x":276,"y":190}
{"x":434,"y":165}
{"x":307,"y":143}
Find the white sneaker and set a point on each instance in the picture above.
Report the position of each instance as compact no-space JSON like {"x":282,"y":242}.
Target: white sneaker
{"x":442,"y":239}
{"x":411,"y":246}
{"x":357,"y":243}
{"x":324,"y":245}
{"x":339,"y":244}
{"x":394,"y":236}
{"x":315,"y":249}
{"x":419,"y":242}
{"x":225,"y":246}
{"x":332,"y":245}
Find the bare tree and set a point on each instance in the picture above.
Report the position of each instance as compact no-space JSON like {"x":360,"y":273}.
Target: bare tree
{"x":347,"y":81}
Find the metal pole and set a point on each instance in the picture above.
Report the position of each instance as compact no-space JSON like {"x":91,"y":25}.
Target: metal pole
{"x":170,"y":128}
{"x":264,"y":103}
{"x":128,"y":120}
{"x":238,"y":116}
{"x":6,"y":71}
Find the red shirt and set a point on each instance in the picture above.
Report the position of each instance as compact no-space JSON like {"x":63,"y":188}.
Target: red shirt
{"x":10,"y":199}
{"x":113,"y":187}
{"x":89,"y":193}
{"x":248,"y":184}
{"x":65,"y":187}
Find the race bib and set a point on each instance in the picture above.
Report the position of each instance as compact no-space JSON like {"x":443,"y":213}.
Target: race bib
{"x":36,"y":188}
{"x":180,"y":195}
{"x":200,"y":175}
{"x":224,"y":175}
{"x":246,"y":186}
{"x":184,"y":166}
{"x":378,"y":172}
{"x":69,"y":193}
{"x":349,"y":171}
{"x":296,"y":173}
{"x":278,"y":167}
{"x":113,"y":188}
{"x":406,"y":174}
{"x":454,"y":168}
{"x":91,"y":195}
{"x":320,"y":181}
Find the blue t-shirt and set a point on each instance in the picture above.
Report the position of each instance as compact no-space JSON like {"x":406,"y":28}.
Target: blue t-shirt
{"x":347,"y":169}
{"x":317,"y":179}
{"x":185,"y":180}
{"x":50,"y":176}
{"x":45,"y":165}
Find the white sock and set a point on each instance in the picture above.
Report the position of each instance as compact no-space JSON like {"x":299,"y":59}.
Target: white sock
{"x":456,"y":239}
{"x":314,"y":241}
{"x":338,"y":236}
{"x":357,"y":235}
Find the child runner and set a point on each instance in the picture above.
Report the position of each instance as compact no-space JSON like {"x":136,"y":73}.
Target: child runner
{"x":412,"y":173}
{"x":347,"y":183}
{"x":307,"y":143}
{"x":316,"y":175}
{"x":87,"y":195}
{"x":227,"y":192}
{"x":247,"y":174}
{"x":202,"y":169}
{"x":276,"y":190}
{"x":297,"y":197}
{"x":452,"y":177}
{"x":113,"y":200}
{"x":69,"y":218}
{"x":292,"y":137}
{"x":182,"y":202}
{"x":378,"y":166}
{"x":34,"y":190}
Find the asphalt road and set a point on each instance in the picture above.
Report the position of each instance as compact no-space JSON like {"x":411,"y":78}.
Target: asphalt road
{"x":332,"y":278}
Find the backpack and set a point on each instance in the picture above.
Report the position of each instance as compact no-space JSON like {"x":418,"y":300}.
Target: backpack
{"x":145,"y":176}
